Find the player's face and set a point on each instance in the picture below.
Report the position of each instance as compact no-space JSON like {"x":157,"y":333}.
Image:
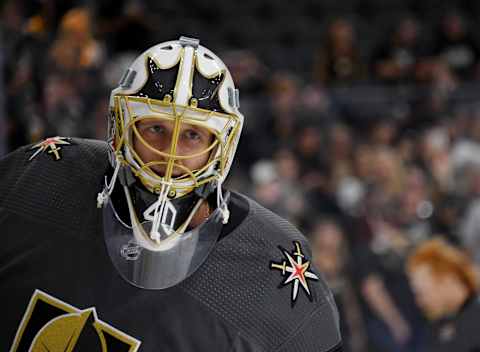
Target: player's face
{"x":192,"y":140}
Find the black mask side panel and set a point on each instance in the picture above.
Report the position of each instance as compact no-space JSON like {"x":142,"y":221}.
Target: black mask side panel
{"x":159,"y":82}
{"x":205,"y":90}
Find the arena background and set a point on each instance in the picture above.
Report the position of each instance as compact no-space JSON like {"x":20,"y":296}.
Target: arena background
{"x":362,"y":121}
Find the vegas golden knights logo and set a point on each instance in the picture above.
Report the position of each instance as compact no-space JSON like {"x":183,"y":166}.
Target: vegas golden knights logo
{"x":50,"y":325}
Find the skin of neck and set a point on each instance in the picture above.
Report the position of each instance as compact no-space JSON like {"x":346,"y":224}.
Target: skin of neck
{"x":201,"y":215}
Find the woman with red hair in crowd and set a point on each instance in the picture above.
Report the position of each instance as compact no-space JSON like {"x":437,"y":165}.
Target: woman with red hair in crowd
{"x":445,"y":283}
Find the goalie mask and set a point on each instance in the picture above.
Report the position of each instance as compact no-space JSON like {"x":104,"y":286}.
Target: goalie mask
{"x":173,"y":133}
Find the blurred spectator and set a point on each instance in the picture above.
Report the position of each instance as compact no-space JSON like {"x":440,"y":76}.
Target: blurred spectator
{"x":416,"y":207}
{"x":315,"y":174}
{"x":349,"y":189}
{"x":248,"y":72}
{"x":273,"y":124}
{"x":275,"y":185}
{"x":309,"y":142}
{"x":383,"y":133}
{"x":125,"y":26}
{"x":466,"y":148}
{"x":72,"y":88}
{"x":352,"y":188}
{"x":470,"y":226}
{"x":388,"y":172}
{"x":445,"y":282}
{"x":433,"y":157}
{"x":434,"y":102}
{"x":252,"y":79}
{"x":339,"y":62}
{"x":268,"y":189}
{"x":266,"y":186}
{"x":393,"y":321}
{"x":340,"y":142}
{"x":11,"y":26}
{"x":448,"y":209}
{"x":456,"y":45}
{"x":284,"y":99}
{"x":24,"y":42}
{"x":315,"y":98}
{"x":75,"y":48}
{"x":331,"y":256}
{"x":288,"y":169}
{"x":394,"y":60}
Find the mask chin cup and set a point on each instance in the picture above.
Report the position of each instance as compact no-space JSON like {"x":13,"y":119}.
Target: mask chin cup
{"x":161,"y":263}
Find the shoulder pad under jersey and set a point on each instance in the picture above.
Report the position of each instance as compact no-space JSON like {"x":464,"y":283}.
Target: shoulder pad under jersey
{"x":260,"y":280}
{"x":53,"y":180}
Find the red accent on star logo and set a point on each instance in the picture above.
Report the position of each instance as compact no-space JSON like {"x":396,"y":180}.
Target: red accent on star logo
{"x":50,"y":144}
{"x":297,"y":271}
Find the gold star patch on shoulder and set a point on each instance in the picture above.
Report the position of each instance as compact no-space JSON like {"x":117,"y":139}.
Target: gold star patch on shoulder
{"x":51,"y":145}
{"x":295,"y":270}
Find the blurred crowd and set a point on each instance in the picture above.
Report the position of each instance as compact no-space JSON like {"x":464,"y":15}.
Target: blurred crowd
{"x":362,"y":128}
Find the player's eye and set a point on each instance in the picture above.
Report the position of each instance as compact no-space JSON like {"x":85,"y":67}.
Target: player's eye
{"x":156,"y":129}
{"x":192,"y":135}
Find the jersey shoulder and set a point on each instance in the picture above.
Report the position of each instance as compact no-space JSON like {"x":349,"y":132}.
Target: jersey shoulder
{"x":260,"y":280}
{"x":53,"y":179}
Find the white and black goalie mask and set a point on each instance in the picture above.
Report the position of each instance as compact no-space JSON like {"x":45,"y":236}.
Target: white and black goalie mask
{"x":174,"y":129}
